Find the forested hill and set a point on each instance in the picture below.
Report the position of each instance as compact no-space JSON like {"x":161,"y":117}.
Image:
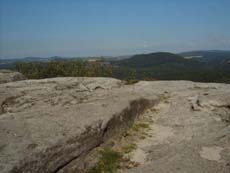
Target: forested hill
{"x":212,"y":57}
{"x":168,"y":66}
{"x":155,"y":59}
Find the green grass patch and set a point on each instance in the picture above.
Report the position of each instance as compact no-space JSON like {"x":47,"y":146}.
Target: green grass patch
{"x":108,"y":162}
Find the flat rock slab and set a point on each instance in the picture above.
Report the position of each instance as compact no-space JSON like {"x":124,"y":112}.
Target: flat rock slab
{"x":45,"y":124}
{"x":190,"y":132}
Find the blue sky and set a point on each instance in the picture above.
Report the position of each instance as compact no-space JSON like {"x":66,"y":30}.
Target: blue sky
{"x":111,"y":27}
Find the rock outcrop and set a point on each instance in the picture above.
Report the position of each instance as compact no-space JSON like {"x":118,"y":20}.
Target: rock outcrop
{"x":190,"y":131}
{"x":46,"y":124}
{"x":10,"y":76}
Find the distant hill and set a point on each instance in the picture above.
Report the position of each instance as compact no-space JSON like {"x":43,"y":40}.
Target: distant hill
{"x":156,"y":59}
{"x":213,"y":66}
{"x":10,"y":63}
{"x":212,"y":57}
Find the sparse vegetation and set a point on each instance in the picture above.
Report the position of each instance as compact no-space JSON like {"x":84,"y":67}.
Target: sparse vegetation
{"x":118,"y":155}
{"x":108,"y":162}
{"x":129,"y":148}
{"x":138,"y":126}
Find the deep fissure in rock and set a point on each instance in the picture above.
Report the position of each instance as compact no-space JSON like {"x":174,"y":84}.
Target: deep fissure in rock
{"x":55,"y":155}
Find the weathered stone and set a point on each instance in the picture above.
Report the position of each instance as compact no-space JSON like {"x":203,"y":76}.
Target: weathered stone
{"x":46,"y":124}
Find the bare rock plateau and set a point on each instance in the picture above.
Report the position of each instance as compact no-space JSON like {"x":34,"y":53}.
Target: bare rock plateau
{"x":47,"y":124}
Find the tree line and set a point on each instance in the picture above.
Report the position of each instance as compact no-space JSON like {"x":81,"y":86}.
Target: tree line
{"x":40,"y":70}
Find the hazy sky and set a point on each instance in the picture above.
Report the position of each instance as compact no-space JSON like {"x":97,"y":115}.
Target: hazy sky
{"x":111,"y":27}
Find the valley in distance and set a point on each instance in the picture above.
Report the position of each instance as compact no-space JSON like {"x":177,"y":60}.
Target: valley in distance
{"x":199,"y":66}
